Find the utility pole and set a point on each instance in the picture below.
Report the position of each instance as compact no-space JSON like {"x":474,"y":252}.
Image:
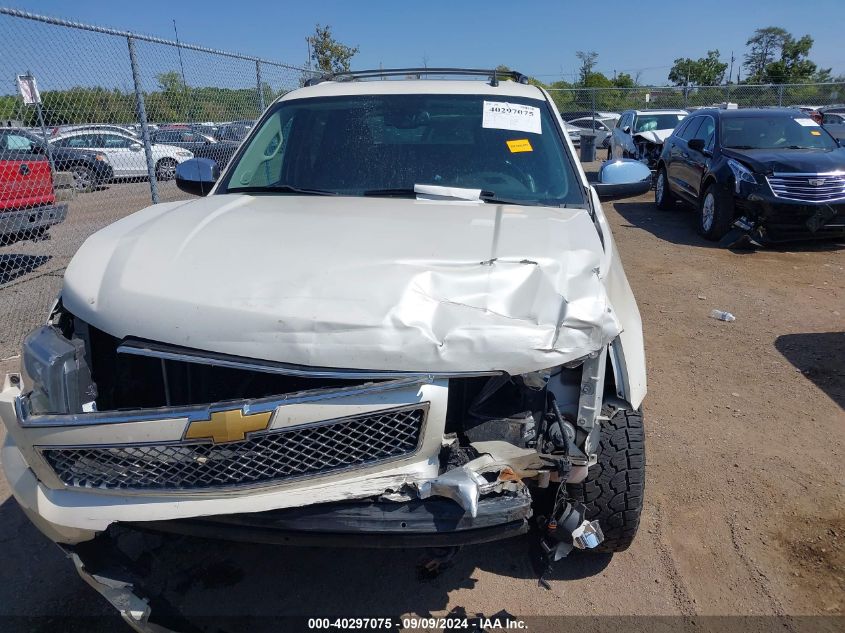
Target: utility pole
{"x":308,"y":63}
{"x":731,"y":71}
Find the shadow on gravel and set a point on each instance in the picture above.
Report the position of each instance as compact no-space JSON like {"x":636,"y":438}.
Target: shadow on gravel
{"x":207,"y":585}
{"x":820,"y":357}
{"x":17,"y":265}
{"x":39,"y":587}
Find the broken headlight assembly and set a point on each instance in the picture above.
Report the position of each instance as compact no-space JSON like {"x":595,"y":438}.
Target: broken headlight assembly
{"x":57,"y":373}
{"x":741,"y":174}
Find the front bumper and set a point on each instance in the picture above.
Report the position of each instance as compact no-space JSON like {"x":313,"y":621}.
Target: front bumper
{"x":780,"y":219}
{"x":27,"y":220}
{"x":70,"y":512}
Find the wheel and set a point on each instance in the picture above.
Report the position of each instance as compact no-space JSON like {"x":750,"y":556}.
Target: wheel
{"x":613,"y":489}
{"x":663,"y":197}
{"x":716,"y":212}
{"x":166,"y":169}
{"x":83,"y":179}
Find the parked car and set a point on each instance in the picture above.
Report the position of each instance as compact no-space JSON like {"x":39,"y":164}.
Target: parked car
{"x":90,"y":169}
{"x":126,"y":153}
{"x":97,"y":127}
{"x":775,"y":174}
{"x":233,"y":131}
{"x":27,"y":198}
{"x":399,"y":313}
{"x":201,"y":145}
{"x":639,"y":134}
{"x":580,"y":114}
{"x":834,"y":122}
{"x":603,"y":128}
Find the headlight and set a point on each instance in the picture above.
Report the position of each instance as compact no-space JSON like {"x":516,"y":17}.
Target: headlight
{"x":741,"y":173}
{"x":185,"y":154}
{"x":55,"y":369}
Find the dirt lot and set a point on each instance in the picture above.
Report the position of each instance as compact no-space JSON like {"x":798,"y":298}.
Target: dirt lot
{"x":745,"y":503}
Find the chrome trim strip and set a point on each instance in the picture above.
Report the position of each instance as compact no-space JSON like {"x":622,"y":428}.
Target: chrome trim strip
{"x":168,"y":352}
{"x":780,"y":174}
{"x":424,"y":405}
{"x":204,"y":411}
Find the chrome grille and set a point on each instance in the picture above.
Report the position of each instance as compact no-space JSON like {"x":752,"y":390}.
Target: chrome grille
{"x":808,"y":187}
{"x":263,"y":457}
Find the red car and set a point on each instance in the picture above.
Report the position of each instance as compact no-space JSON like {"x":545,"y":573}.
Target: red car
{"x":27,"y":197}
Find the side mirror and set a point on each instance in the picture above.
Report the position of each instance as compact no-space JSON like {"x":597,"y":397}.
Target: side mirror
{"x":135,"y":147}
{"x":627,"y":129}
{"x":623,"y":178}
{"x":696,"y":144}
{"x":197,"y":175}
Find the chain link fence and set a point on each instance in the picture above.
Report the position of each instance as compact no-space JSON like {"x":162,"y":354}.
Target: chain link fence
{"x":587,"y":100}
{"x":117,"y":112}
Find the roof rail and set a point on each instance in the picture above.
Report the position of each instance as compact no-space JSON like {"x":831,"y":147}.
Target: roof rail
{"x":395,"y":72}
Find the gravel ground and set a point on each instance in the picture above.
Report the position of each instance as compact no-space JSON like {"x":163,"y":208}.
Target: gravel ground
{"x":745,"y":505}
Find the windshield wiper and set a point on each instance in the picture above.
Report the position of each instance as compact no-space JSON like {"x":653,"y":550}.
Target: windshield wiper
{"x":389,"y":193}
{"x":282,"y":189}
{"x":738,"y":147}
{"x":486,"y":196}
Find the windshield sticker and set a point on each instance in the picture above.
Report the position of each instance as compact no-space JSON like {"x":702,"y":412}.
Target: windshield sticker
{"x":520,"y":145}
{"x":502,"y":115}
{"x":807,"y":122}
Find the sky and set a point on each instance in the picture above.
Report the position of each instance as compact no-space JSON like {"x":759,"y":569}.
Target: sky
{"x":538,"y":38}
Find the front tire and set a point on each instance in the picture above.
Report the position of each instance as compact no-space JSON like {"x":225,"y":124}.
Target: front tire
{"x":165,"y":169}
{"x":613,"y":489}
{"x":715,"y":213}
{"x":663,"y":196}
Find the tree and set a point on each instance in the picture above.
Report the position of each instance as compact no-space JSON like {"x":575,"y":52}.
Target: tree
{"x":330,"y":55}
{"x":765,"y":46}
{"x":588,"y":62}
{"x":704,"y":71}
{"x":793,"y":65}
{"x":624,"y":80}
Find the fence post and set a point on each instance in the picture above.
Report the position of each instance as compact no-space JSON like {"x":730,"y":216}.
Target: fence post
{"x":258,"y":85}
{"x":142,"y":118}
{"x":780,"y":95}
{"x":593,"y":101}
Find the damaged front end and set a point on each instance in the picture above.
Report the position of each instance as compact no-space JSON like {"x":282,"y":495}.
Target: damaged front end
{"x":107,"y":433}
{"x":647,"y":149}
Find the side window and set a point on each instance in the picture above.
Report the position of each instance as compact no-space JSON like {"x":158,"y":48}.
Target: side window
{"x":691,"y":128}
{"x":15,"y":143}
{"x":680,"y":129}
{"x":83,"y":140}
{"x":111,"y":141}
{"x":706,"y":130}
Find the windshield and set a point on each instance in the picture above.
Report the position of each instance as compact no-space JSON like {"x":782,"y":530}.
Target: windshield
{"x":387,"y":144}
{"x":774,"y":132}
{"x":651,"y":122}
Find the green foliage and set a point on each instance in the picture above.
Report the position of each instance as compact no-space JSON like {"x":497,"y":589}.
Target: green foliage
{"x":588,"y":62}
{"x":704,"y":71}
{"x":764,"y":46}
{"x":330,"y":55}
{"x":794,"y":65}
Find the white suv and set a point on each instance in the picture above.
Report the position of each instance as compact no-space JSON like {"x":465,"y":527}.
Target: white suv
{"x":398,"y":316}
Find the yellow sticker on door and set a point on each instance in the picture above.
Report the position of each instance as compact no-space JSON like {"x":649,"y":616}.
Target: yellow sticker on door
{"x":813,"y":132}
{"x":520,"y":145}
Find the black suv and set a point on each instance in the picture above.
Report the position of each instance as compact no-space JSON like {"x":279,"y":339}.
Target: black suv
{"x":775,"y":174}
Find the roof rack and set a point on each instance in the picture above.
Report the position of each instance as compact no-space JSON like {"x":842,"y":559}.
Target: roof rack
{"x":395,"y":72}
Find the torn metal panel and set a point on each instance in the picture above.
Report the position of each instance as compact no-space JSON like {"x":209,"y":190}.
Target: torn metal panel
{"x":538,"y":300}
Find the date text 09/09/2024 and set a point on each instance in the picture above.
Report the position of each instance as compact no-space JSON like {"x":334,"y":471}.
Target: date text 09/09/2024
{"x":411,"y":623}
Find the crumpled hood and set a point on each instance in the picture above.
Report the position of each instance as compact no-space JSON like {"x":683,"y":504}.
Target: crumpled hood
{"x":801,"y":161}
{"x":348,"y":282}
{"x":655,"y":136}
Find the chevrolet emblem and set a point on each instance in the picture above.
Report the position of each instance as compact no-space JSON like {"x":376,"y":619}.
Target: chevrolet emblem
{"x":227,"y":426}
